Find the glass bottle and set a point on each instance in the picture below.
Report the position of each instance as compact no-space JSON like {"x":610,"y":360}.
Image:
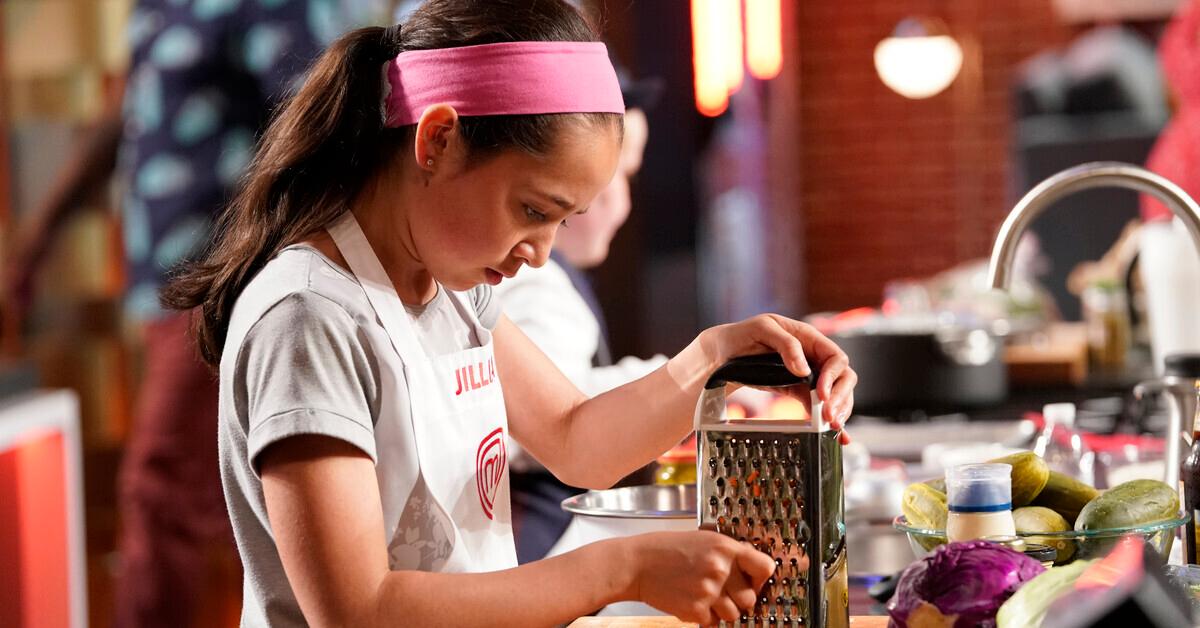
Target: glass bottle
{"x":1062,"y":447}
{"x":1189,"y":475}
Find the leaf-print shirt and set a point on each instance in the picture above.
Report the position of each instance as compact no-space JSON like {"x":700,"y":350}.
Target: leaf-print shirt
{"x":204,"y":77}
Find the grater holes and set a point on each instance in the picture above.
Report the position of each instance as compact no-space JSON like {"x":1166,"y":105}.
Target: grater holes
{"x":758,"y":484}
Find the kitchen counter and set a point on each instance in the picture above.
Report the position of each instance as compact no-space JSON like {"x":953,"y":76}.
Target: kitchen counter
{"x":671,"y":622}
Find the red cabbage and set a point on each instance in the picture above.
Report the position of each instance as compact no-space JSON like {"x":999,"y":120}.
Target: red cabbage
{"x":959,"y":585}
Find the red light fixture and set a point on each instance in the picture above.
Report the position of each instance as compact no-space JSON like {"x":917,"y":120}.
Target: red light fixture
{"x":722,"y":47}
{"x":764,"y":38}
{"x":711,"y":49}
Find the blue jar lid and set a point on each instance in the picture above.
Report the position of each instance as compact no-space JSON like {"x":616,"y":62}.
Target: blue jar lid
{"x":979,"y":487}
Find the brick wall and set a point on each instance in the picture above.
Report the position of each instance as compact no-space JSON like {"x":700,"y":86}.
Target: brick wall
{"x":891,"y":187}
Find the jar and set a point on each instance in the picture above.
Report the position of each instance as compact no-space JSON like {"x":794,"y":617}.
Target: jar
{"x":677,"y":466}
{"x":979,"y":498}
{"x":1106,"y":318}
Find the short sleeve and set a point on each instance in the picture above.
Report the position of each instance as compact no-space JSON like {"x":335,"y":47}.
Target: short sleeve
{"x":308,"y":370}
{"x":487,"y":306}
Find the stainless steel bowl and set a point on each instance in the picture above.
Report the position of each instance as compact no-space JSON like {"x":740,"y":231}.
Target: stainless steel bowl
{"x":636,"y":502}
{"x":627,"y":511}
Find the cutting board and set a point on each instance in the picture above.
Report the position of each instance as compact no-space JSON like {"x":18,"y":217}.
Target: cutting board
{"x":670,"y":622}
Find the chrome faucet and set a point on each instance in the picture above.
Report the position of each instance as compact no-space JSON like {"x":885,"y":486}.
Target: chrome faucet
{"x":1097,"y":174}
{"x":1084,"y":177}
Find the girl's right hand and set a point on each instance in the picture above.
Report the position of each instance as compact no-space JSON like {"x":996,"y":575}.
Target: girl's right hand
{"x":699,"y":576}
{"x":799,"y":344}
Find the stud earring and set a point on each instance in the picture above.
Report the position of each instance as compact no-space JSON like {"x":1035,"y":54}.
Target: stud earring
{"x":428,"y":162}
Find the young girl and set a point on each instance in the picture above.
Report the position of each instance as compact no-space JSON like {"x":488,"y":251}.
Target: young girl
{"x":348,"y":302}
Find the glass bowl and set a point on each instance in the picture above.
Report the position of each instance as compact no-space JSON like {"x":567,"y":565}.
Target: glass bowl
{"x":1188,"y":579}
{"x":1075,"y":545}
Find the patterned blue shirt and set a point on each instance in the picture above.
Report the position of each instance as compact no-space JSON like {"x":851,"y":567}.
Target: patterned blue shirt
{"x":204,"y":78}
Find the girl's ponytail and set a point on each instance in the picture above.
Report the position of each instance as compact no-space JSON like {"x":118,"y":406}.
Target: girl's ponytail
{"x":328,"y":141}
{"x":315,"y":156}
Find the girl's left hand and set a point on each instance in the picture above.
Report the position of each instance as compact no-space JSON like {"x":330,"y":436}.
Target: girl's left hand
{"x":798,"y":343}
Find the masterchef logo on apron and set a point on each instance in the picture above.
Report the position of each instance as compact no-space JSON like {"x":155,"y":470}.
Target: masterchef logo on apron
{"x":490,"y":463}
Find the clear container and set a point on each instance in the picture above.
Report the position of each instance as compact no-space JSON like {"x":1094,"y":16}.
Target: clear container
{"x":677,"y":466}
{"x":674,"y":471}
{"x":1085,"y":544}
{"x":979,"y":497}
{"x":1187,"y":578}
{"x":1061,"y":446}
{"x":1106,"y":319}
{"x":1170,"y":270}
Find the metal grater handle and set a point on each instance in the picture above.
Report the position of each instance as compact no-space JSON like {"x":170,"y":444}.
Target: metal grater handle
{"x":765,"y":369}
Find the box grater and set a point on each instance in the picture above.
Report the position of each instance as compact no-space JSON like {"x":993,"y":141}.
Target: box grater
{"x":776,"y":484}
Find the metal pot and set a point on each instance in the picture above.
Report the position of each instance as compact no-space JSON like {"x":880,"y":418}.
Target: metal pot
{"x":944,"y":369}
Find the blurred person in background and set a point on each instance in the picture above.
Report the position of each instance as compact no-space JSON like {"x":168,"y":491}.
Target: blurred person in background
{"x":556,"y":307}
{"x":204,"y":79}
{"x":1176,"y":153}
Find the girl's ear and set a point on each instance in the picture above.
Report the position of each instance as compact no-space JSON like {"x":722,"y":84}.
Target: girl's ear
{"x":435,"y":131}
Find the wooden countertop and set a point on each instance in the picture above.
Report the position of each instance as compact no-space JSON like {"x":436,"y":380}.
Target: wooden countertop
{"x":862,"y":621}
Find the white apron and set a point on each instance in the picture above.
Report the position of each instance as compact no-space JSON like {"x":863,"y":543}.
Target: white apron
{"x":459,"y":424}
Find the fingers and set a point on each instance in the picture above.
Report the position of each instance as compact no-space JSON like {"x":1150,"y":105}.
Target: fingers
{"x":740,"y":594}
{"x":775,"y":335}
{"x":700,"y":613}
{"x":833,"y":370}
{"x":739,"y":591}
{"x":730,"y":589}
{"x":797,"y":343}
{"x":755,"y":565}
{"x":834,"y":362}
{"x":814,"y":343}
{"x":725,"y":609}
{"x":839,"y":424}
{"x":841,"y":399}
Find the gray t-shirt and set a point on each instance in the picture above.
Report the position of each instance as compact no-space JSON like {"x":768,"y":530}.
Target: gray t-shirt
{"x":307,"y":366}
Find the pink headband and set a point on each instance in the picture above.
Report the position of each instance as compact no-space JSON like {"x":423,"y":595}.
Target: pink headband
{"x":515,"y":78}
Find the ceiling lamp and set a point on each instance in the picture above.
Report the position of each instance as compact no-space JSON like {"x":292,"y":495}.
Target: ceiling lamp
{"x":920,"y":59}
